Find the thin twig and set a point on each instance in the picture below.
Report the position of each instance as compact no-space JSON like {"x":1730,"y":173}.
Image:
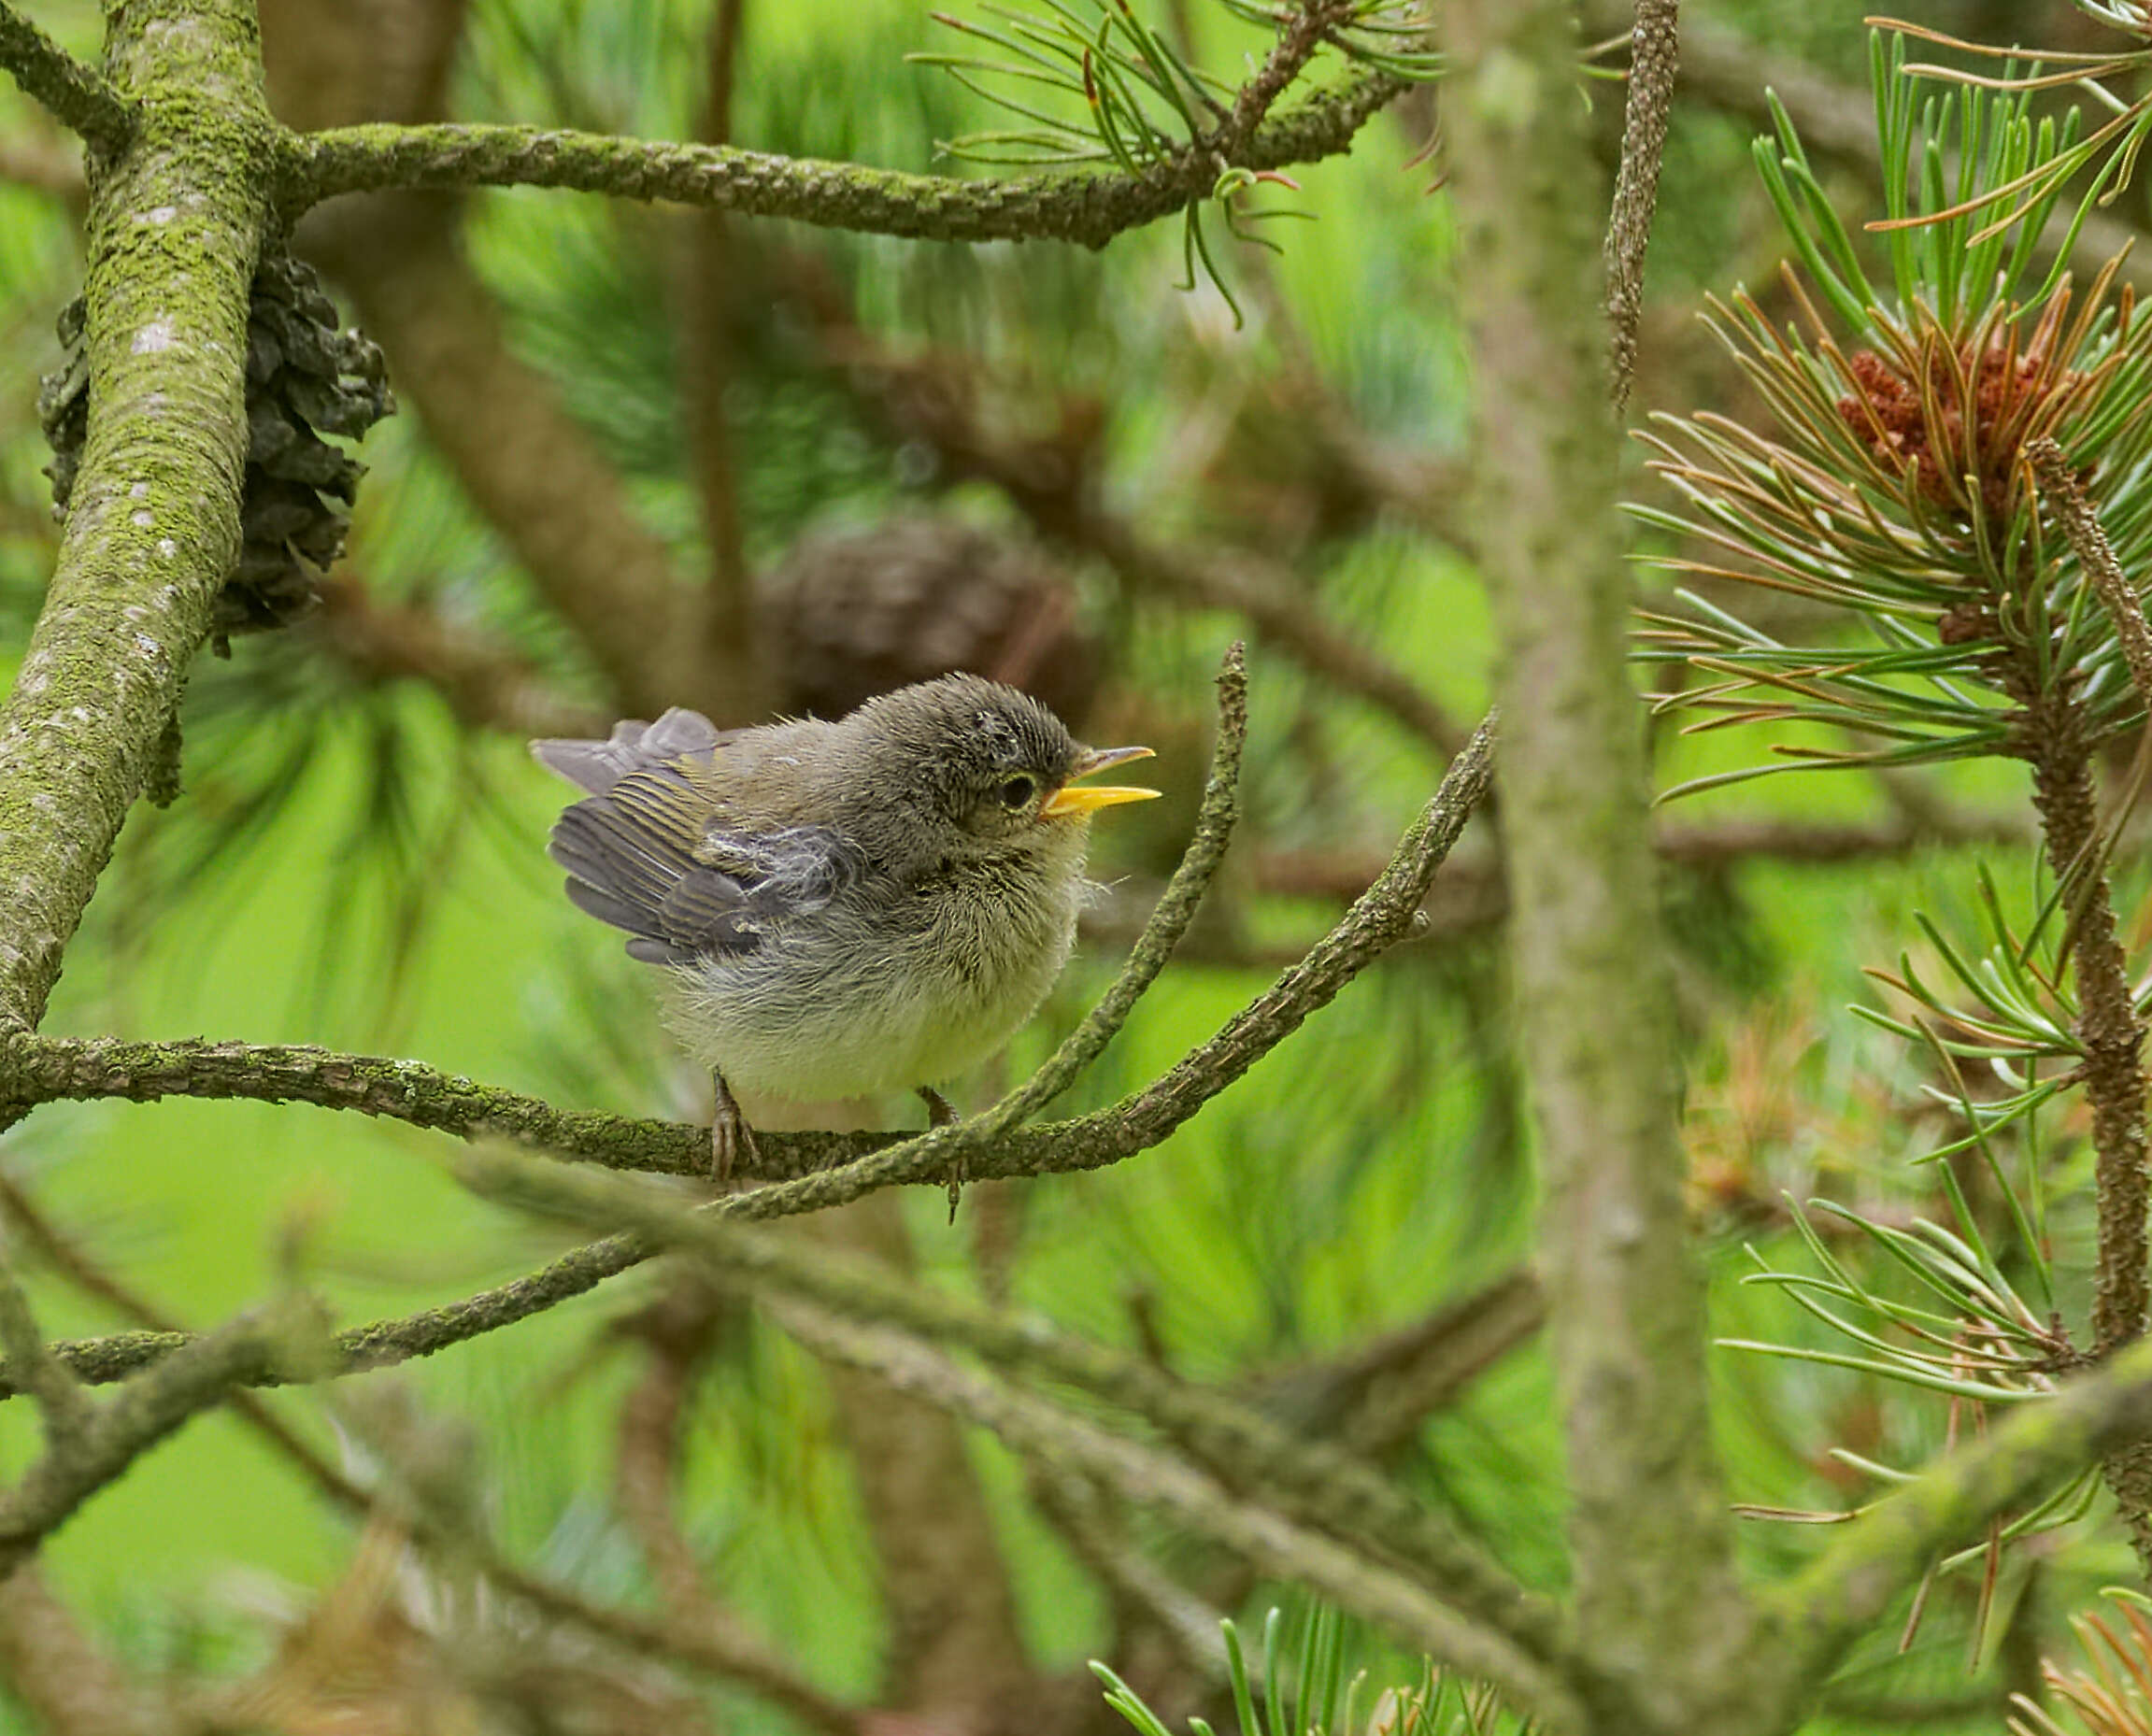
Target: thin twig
{"x":382,"y":1343}
{"x":1301,"y":33}
{"x":1655,"y":52}
{"x":77,"y":95}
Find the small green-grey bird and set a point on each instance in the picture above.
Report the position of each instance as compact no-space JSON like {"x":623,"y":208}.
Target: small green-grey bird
{"x":843,"y":908}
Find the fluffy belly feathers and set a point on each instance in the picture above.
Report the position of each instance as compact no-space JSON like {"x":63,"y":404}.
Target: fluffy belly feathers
{"x":931,"y":1004}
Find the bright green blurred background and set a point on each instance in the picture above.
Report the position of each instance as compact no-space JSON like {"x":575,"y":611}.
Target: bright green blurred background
{"x":350,"y":868}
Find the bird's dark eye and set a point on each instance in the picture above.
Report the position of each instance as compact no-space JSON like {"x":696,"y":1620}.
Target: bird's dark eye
{"x":1017,"y":792}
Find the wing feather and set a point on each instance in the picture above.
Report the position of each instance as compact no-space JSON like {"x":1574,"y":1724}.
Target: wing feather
{"x":654,"y":852}
{"x":596,"y":766}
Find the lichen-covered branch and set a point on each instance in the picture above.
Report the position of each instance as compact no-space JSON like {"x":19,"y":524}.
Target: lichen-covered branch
{"x":133,"y":1419}
{"x":1197,"y":1502}
{"x":1659,"y":1608}
{"x":1088,"y":208}
{"x":152,"y":525}
{"x":38,"y":1070}
{"x":2087,"y":540}
{"x":1873,"y":1559}
{"x":821,"y":1168}
{"x":1313,"y":1482}
{"x":1655,"y":52}
{"x":382,"y":1343}
{"x":77,"y":96}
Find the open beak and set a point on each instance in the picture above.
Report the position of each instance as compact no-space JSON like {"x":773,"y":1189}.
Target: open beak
{"x":1070,"y":801}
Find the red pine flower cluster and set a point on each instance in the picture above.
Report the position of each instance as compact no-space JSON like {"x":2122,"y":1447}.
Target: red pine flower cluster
{"x":1923,"y":421}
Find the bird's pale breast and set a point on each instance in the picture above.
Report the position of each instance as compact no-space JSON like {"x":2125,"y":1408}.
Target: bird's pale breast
{"x":857,"y":999}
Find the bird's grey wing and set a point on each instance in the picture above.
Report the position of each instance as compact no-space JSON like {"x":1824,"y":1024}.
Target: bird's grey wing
{"x":650,"y":857}
{"x":596,"y":766}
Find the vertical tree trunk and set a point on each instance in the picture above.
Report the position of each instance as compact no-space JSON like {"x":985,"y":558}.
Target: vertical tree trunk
{"x":1660,"y":1614}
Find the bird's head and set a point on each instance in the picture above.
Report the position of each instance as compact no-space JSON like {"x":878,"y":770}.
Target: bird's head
{"x":967,"y":767}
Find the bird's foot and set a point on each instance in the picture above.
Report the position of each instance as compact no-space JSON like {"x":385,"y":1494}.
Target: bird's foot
{"x":942,"y":1113}
{"x":730,"y":1134}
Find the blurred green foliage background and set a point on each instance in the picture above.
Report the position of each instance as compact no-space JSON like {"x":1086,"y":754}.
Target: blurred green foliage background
{"x":356,"y":866}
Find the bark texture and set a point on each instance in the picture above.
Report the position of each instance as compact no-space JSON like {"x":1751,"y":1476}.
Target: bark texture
{"x":1659,"y":1612}
{"x":152,"y":528}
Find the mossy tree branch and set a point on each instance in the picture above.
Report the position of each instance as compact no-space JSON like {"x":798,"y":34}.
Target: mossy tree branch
{"x":1313,"y":1483}
{"x":1090,"y":208}
{"x":821,"y":1168}
{"x":1048,"y":1434}
{"x":101,"y":1442}
{"x":175,"y":223}
{"x":1875,"y":1557}
{"x":77,"y":96}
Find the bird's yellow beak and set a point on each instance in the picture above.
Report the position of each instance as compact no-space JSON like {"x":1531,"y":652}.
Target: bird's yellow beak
{"x":1069,"y":801}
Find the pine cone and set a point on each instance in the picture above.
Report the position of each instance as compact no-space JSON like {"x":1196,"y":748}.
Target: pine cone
{"x":851,"y":614}
{"x":304,"y":372}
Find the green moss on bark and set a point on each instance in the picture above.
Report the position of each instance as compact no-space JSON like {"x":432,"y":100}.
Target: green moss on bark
{"x":174,"y":224}
{"x":1662,"y":1619}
